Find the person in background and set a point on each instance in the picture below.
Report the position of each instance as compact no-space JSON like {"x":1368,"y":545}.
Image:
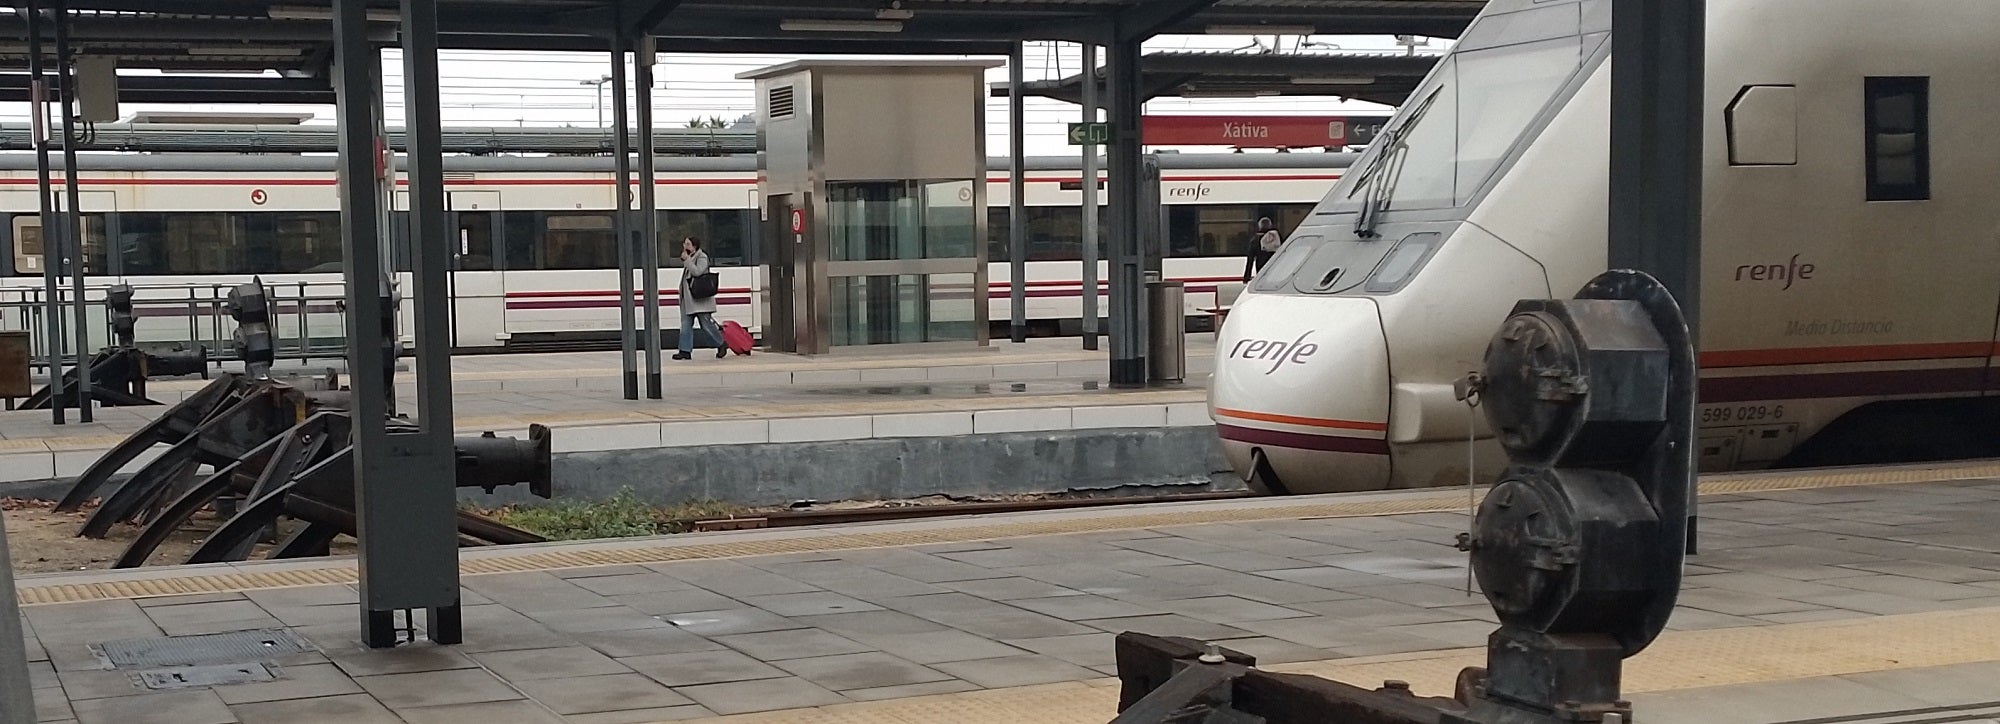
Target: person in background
{"x":1263,"y":244}
{"x":694,"y":263}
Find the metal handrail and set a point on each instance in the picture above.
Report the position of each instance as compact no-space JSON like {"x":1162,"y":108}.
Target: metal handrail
{"x":201,"y":310}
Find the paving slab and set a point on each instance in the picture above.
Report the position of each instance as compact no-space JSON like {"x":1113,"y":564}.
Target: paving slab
{"x":595,"y":694}
{"x":177,"y":707}
{"x":742,"y":697}
{"x":437,"y":688}
{"x":532,"y":664}
{"x":347,"y":709}
{"x":871,"y":670}
{"x":486,"y":712}
{"x":792,"y":644}
{"x":701,"y":667}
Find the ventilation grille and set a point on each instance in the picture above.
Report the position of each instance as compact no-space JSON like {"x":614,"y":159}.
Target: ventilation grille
{"x":461,"y":176}
{"x":781,"y":102}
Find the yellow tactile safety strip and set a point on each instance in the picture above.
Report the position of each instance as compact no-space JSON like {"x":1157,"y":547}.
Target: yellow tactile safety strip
{"x":159,"y":582}
{"x":1678,"y":660}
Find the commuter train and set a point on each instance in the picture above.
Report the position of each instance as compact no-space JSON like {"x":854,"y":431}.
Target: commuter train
{"x":534,"y":264}
{"x":1850,"y":271}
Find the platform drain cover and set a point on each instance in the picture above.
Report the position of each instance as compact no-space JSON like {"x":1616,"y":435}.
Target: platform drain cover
{"x":191,"y":677}
{"x":224,"y":648}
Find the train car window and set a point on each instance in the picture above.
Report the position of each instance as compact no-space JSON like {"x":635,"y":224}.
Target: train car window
{"x":28,"y":244}
{"x":721,"y":232}
{"x":473,"y":242}
{"x":523,"y":240}
{"x":1054,"y":233}
{"x":1403,"y":262}
{"x":579,"y":241}
{"x":1278,"y":273}
{"x":1504,"y":89}
{"x":182,"y":243}
{"x":293,"y":242}
{"x":1897,"y":143}
{"x":254,"y":242}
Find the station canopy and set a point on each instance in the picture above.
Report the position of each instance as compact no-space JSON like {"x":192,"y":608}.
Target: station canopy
{"x":284,"y":49}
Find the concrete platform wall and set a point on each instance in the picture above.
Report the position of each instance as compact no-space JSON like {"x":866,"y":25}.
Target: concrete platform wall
{"x":1188,"y":458}
{"x":1143,"y":460}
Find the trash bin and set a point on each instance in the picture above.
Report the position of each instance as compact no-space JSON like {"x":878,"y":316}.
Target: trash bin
{"x":1166,"y":345}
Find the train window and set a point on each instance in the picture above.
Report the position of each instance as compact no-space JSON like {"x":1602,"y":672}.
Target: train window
{"x":722,"y":235}
{"x":1897,"y":143}
{"x":1504,"y":88}
{"x":579,"y":241}
{"x":1055,"y":233}
{"x":28,"y":245}
{"x":262,"y":242}
{"x":1403,"y":262}
{"x":1278,"y":272}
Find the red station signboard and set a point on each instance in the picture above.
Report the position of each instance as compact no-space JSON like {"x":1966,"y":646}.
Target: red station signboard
{"x":1261,"y":131}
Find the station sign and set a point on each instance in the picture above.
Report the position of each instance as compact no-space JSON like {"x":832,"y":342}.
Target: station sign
{"x":1261,"y":131}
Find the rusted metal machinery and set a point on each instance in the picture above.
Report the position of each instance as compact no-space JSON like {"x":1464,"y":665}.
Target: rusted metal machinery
{"x":283,"y":447}
{"x":1578,"y":546}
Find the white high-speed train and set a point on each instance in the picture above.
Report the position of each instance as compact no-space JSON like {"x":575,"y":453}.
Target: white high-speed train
{"x":1850,"y":266}
{"x":535,"y":265}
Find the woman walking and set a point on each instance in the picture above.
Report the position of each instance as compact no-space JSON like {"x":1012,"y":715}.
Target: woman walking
{"x":698,"y":289}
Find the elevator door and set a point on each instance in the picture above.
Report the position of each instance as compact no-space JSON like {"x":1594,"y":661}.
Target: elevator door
{"x":786,"y":294}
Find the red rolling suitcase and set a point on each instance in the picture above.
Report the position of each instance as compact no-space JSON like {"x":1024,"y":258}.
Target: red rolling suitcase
{"x":736,"y":338}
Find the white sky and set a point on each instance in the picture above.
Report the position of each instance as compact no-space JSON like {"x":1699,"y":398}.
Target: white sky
{"x":545,"y":89}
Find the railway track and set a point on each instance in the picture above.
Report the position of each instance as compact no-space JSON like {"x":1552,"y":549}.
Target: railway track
{"x":794,"y":518}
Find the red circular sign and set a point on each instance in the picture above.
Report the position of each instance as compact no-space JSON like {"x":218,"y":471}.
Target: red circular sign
{"x":798,"y":221}
{"x":258,"y":197}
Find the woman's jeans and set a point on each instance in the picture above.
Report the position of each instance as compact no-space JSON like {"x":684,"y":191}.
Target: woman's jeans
{"x":707,"y":325}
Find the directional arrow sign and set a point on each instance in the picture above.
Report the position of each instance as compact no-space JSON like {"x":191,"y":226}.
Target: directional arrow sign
{"x":1089,"y":134}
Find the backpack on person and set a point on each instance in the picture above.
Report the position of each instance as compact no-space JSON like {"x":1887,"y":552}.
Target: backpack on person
{"x":736,"y":338}
{"x":1269,"y":241}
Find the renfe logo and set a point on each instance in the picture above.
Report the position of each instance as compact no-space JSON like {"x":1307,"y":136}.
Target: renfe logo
{"x":1196,"y":191}
{"x":1789,"y":272}
{"x":1277,"y":352}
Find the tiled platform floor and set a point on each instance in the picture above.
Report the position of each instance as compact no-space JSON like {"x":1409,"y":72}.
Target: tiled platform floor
{"x":788,"y":633}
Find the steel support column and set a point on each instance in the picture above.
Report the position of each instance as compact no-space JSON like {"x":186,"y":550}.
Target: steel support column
{"x":621,"y":146}
{"x":1656,"y":151}
{"x":1090,"y":313}
{"x":1017,"y":228}
{"x":73,"y":249}
{"x":403,"y":483}
{"x":649,"y":219}
{"x":1128,"y":308}
{"x":39,"y":115}
{"x":17,"y":704}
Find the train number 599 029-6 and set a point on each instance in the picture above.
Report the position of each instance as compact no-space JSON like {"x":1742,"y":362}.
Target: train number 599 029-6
{"x":1742,"y":413}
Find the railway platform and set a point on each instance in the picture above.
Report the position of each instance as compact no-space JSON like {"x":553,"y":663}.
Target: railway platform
{"x":1047,"y":386}
{"x":1862,"y":595}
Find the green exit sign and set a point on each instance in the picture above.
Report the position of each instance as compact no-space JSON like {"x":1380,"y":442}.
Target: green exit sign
{"x":1089,"y":134}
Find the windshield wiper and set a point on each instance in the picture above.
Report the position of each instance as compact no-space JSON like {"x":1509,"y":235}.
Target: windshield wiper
{"x":1379,"y":179}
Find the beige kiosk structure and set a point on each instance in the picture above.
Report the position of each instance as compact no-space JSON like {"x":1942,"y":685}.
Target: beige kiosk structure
{"x":871,"y":175}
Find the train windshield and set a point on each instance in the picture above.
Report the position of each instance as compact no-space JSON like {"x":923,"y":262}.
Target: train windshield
{"x":1473,"y":109}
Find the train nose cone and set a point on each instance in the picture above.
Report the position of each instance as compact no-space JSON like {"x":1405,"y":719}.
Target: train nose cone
{"x":1300,"y":394}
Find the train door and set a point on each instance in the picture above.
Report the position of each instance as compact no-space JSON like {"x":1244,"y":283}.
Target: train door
{"x":474,"y":284}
